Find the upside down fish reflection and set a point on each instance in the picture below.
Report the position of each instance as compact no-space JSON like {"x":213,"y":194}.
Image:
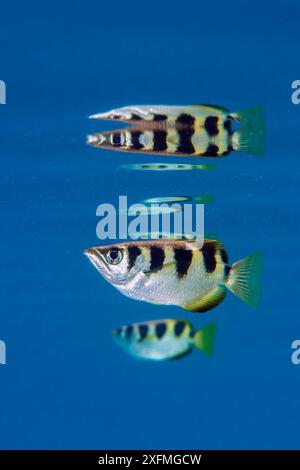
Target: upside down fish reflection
{"x":181,"y":199}
{"x":201,"y":130}
{"x":167,"y":167}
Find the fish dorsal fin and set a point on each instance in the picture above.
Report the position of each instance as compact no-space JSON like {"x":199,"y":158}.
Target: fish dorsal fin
{"x":212,"y":106}
{"x":208,"y":301}
{"x":210,"y":241}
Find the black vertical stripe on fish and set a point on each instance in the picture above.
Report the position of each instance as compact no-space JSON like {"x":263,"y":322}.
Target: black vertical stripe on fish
{"x":143,"y":330}
{"x":227,"y":270}
{"x":183,"y":259}
{"x":185,"y":141}
{"x":185,"y":120}
{"x":159,"y":140}
{"x":160,"y":329}
{"x":135,"y":117}
{"x":133,"y":253}
{"x":128,"y":331}
{"x":135,"y":140}
{"x":157,"y":256}
{"x":209,"y":251}
{"x":179,"y":327}
{"x":224,"y":255}
{"x":116,"y":138}
{"x":211,"y":151}
{"x":211,"y":125}
{"x":185,"y":129}
{"x":228,"y":127}
{"x":160,"y":117}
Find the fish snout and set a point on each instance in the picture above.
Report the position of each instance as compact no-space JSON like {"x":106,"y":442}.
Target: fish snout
{"x":95,"y":139}
{"x":104,"y":116}
{"x":96,"y":258}
{"x":91,"y":252}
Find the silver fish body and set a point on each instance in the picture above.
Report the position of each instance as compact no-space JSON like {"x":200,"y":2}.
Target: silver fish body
{"x":166,"y":339}
{"x":177,"y":272}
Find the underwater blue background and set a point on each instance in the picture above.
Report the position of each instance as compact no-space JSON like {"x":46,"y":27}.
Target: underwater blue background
{"x":66,"y":384}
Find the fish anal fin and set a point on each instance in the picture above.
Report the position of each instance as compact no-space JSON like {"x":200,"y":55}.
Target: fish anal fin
{"x":207,"y":301}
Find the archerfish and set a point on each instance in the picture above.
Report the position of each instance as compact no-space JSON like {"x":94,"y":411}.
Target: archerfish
{"x":178,"y":272}
{"x":160,"y":340}
{"x":202,"y":130}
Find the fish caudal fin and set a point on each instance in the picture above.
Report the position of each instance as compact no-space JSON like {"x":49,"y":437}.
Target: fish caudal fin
{"x":250,"y":137}
{"x":204,"y":339}
{"x":244,"y":279}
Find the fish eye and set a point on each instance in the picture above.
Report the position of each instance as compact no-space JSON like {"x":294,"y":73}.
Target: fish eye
{"x":116,"y":138}
{"x":114,"y":256}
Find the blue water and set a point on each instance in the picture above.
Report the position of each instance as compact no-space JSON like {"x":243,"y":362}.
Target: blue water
{"x":66,"y":384}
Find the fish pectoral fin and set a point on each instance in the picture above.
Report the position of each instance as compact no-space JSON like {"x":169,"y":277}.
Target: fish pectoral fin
{"x":207,"y":301}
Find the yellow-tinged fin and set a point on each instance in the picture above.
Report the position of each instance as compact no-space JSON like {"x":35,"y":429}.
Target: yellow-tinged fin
{"x":208,"y":301}
{"x":204,"y":198}
{"x":204,"y":339}
{"x":250,"y":137}
{"x":245,"y":279}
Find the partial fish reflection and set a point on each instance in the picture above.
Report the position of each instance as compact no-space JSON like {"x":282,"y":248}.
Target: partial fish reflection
{"x":180,"y":199}
{"x":167,"y":167}
{"x":161,"y":340}
{"x":142,"y":209}
{"x":175,"y":236}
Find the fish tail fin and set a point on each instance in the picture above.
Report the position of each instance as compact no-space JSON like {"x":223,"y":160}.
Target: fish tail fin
{"x":250,"y":137}
{"x":204,"y":339}
{"x":244,"y":279}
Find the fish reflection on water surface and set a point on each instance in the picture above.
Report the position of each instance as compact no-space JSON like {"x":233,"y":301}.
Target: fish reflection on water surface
{"x":203,"y":130}
{"x":180,"y":199}
{"x":167,"y":167}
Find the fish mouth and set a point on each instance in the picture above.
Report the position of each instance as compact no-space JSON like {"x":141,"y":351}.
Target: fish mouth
{"x":95,"y":257}
{"x":95,"y":139}
{"x":98,"y":116}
